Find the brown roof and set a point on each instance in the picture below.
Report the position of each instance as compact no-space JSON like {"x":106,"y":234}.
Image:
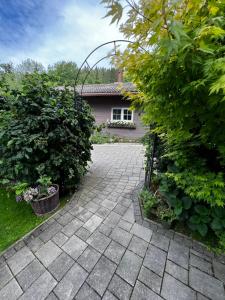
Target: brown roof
{"x":105,"y":89}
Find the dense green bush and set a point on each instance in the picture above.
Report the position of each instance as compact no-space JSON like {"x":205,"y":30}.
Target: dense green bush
{"x":44,"y":131}
{"x":177,"y":62}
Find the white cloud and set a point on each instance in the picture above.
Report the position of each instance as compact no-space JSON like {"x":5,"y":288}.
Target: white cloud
{"x":80,"y":29}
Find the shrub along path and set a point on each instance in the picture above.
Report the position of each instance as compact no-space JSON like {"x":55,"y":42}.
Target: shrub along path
{"x":93,"y":249}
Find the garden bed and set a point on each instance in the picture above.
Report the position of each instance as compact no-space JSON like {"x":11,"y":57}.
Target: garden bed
{"x":210,"y":240}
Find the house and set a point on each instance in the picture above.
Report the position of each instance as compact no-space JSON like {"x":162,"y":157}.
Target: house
{"x":112,"y":108}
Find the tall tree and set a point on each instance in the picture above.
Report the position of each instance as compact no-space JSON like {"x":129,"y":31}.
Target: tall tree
{"x":64,"y":71}
{"x":30,"y":66}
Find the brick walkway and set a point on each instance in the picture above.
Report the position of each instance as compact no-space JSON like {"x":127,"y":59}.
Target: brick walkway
{"x":93,"y":249}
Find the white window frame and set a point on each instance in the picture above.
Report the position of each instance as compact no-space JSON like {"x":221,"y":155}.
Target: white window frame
{"x":122,"y":114}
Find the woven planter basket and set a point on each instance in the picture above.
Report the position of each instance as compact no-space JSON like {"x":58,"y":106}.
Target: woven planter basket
{"x":47,"y":204}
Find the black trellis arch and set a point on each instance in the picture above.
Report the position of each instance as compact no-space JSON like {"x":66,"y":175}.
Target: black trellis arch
{"x":152,"y":139}
{"x":90,"y":68}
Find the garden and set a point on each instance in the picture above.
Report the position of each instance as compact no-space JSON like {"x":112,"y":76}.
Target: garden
{"x":176,"y":60}
{"x":181,"y":85}
{"x":45,"y":148}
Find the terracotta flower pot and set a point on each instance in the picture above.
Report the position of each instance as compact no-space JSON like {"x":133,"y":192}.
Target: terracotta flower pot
{"x":46,"y":204}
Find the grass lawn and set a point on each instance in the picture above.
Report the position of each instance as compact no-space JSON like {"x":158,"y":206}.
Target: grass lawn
{"x":16,"y":219}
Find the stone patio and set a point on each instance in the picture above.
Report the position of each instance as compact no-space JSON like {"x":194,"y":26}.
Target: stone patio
{"x":93,"y":248}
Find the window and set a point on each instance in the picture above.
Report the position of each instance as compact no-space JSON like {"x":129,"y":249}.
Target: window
{"x":122,"y":114}
{"x":127,"y":115}
{"x":117,"y":114}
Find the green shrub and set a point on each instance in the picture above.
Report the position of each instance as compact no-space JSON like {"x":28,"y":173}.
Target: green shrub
{"x":166,"y":214}
{"x":45,"y":131}
{"x":149,"y":201}
{"x":181,"y":83}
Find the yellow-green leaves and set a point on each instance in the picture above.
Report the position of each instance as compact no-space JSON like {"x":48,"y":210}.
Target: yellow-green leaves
{"x":115,"y":10}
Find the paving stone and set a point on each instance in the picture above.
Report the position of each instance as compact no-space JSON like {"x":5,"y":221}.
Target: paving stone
{"x":60,"y":266}
{"x":141,"y":292}
{"x":121,"y":236}
{"x":125,"y":202}
{"x":74,"y":246}
{"x":206,"y":284}
{"x":152,"y":280}
{"x":155,"y":260}
{"x":209,"y":253}
{"x":89,"y":258}
{"x":9,"y":253}
{"x":83,"y":233}
{"x":47,"y":253}
{"x":172,"y":289}
{"x":85,"y":215}
{"x":103,"y":212}
{"x":201,"y":264}
{"x":92,"y":207}
{"x":28,"y":275}
{"x":101,"y":275}
{"x":177,"y":271}
{"x":11,"y":291}
{"x":160,"y":241}
{"x":41,"y":288}
{"x":221,"y":258}
{"x":71,"y":283}
{"x":72,"y":227}
{"x":112,"y":219}
{"x":105,"y":229}
{"x":86,"y":292}
{"x":35,"y":244}
{"x":109,"y":296}
{"x":120,"y":209}
{"x":20,"y":260}
{"x":120,"y":288}
{"x":187,"y":242}
{"x":48,"y":233}
{"x":60,"y":239}
{"x":138,"y":246}
{"x":51,"y":296}
{"x":141,"y":232}
{"x":129,"y":267}
{"x":201,"y":297}
{"x":98,"y":241}
{"x":65,"y":219}
{"x":2,"y":261}
{"x":76,"y":210}
{"x":198,"y":247}
{"x":178,"y":254}
{"x":129,"y":216}
{"x":219,"y":270}
{"x":115,"y":252}
{"x":19,"y":245}
{"x":5,"y":275}
{"x":93,"y":223}
{"x":202,"y":255}
{"x":125,"y":225}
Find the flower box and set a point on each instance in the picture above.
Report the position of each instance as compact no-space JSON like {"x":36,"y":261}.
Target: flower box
{"x":121,"y":124}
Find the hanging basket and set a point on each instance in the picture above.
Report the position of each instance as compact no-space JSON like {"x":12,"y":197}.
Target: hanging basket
{"x":47,"y":204}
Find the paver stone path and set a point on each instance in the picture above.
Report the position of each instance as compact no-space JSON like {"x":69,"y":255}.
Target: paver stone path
{"x":93,"y":248}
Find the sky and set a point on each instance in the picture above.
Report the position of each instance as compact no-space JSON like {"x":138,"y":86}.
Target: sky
{"x":53,"y":30}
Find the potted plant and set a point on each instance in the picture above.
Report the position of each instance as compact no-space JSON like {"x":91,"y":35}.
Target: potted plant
{"x":43,"y":197}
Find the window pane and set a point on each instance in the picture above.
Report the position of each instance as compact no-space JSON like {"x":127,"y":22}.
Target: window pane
{"x":117,"y":114}
{"x":127,"y":115}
